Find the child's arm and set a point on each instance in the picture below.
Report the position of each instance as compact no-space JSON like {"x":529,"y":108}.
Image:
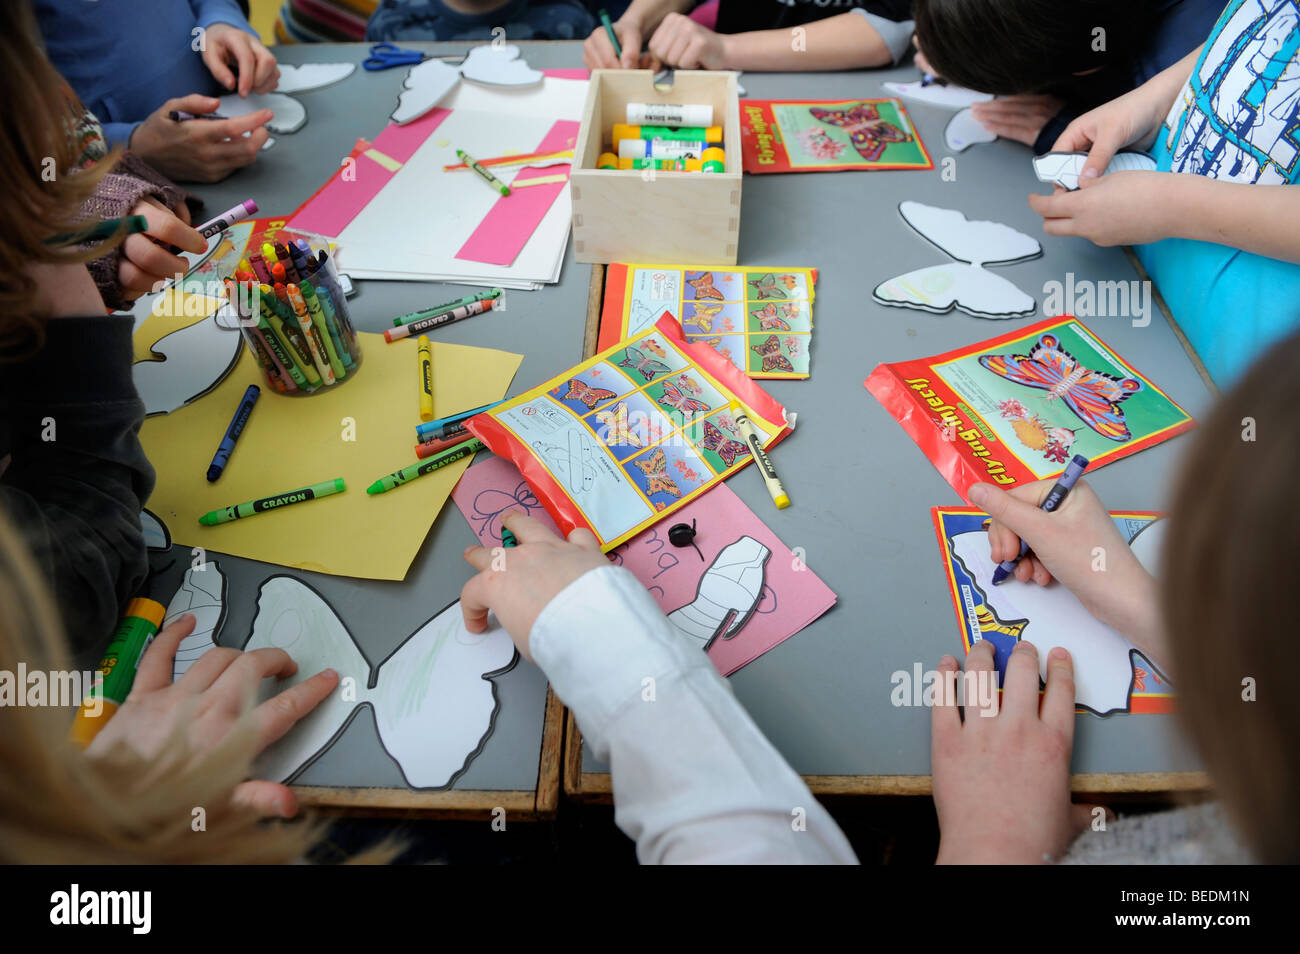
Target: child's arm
{"x":694,"y":779}
{"x":844,"y":42}
{"x":77,"y":476}
{"x":640,"y":20}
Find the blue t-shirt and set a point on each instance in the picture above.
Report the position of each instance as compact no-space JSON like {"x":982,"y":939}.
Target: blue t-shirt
{"x":521,"y":19}
{"x":1237,"y":120}
{"x":125,"y":58}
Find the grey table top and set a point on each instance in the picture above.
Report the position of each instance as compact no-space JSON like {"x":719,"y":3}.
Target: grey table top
{"x":862,"y":490}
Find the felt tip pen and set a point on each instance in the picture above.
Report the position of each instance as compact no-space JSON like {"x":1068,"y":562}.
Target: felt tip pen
{"x":442,"y":309}
{"x":1055,"y":497}
{"x":426,"y":430}
{"x":488,"y":177}
{"x":228,"y":218}
{"x":129,"y":225}
{"x":425,"y":365}
{"x":755,"y":445}
{"x":116,"y":671}
{"x":274,"y":502}
{"x":437,"y":462}
{"x":435,"y":321}
{"x":609,"y":31}
{"x":222,"y":456}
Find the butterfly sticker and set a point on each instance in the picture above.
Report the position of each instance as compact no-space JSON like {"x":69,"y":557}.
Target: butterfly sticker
{"x":964,"y":284}
{"x":769,"y":319}
{"x":676,"y":399}
{"x":773,"y":359}
{"x":582,"y":391}
{"x":1094,"y":396}
{"x":656,"y":472}
{"x":870,"y":134}
{"x":704,"y":315}
{"x":704,"y":287}
{"x":765,"y":286}
{"x":718,"y":442}
{"x":616,"y":428}
{"x":638,"y":360}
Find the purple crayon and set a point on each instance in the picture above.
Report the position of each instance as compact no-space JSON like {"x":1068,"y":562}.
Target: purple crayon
{"x":228,"y":218}
{"x":1055,"y":497}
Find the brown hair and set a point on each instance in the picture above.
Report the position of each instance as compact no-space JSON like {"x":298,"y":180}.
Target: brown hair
{"x":41,"y":188}
{"x":1228,"y":601}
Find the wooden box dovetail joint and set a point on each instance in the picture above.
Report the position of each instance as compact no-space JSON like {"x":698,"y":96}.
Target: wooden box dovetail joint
{"x":655,"y":217}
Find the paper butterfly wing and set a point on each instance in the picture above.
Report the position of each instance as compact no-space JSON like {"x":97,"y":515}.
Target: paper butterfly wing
{"x":941,"y":288}
{"x":975,"y":241}
{"x":203,"y":593}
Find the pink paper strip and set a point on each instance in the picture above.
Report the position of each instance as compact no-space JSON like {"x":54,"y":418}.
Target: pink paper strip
{"x":571,"y":74}
{"x":793,"y":596}
{"x":341,"y":200}
{"x":506,"y":229}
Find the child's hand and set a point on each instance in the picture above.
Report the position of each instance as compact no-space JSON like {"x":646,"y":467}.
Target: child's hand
{"x":199,"y":150}
{"x":1122,"y":208}
{"x":1018,"y":118}
{"x":208,"y":702}
{"x":145,"y":261}
{"x":530,"y":576}
{"x":1002,"y":777}
{"x":682,"y":43}
{"x":598,"y":52}
{"x":1077,"y":544}
{"x":226,"y":46}
{"x":1132,"y":119}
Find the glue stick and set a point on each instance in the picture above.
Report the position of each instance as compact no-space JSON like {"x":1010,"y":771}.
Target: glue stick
{"x":685,"y":133}
{"x":661,"y":149}
{"x":117,"y":669}
{"x":669,"y":114}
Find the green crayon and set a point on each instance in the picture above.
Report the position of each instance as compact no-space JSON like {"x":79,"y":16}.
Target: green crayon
{"x":338,"y":351}
{"x":428,"y":466}
{"x":350,"y":353}
{"x":281,"y":351}
{"x":449,"y":306}
{"x":290,"y":336}
{"x":275,"y":502}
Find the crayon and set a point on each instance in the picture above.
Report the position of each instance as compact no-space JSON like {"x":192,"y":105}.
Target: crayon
{"x":310,"y":306}
{"x":684,"y":133}
{"x":317,"y":303}
{"x":274,"y":502}
{"x":412,"y":471}
{"x":755,"y":445}
{"x":516,"y":159}
{"x":669,"y":114}
{"x":279,"y":273}
{"x":447,"y":431}
{"x":315,"y":346}
{"x":283,"y":354}
{"x":130,"y":225}
{"x":117,"y":669}
{"x":487,"y":177}
{"x":425,"y":431}
{"x":227,"y":446}
{"x":434,"y":321}
{"x":268,"y":254}
{"x":609,"y":32}
{"x":508,"y":539}
{"x":290,"y":336}
{"x":326,"y":274}
{"x":425,"y":354}
{"x":228,"y":218}
{"x":437,"y":446}
{"x":1055,"y":497}
{"x":275,"y":370}
{"x":349,"y":349}
{"x":449,"y":306}
{"x":258,"y":265}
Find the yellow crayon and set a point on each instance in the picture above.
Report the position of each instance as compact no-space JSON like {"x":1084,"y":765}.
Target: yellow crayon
{"x":426,"y":378}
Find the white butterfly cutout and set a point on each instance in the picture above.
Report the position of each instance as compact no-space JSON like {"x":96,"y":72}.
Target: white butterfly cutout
{"x":1064,"y":168}
{"x":964,"y":284}
{"x":433,"y":698}
{"x":943,"y":95}
{"x":964,"y":131}
{"x":428,"y":83}
{"x":194,"y":360}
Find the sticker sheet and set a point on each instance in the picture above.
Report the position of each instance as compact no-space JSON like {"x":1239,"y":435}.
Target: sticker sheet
{"x":784,"y":135}
{"x":1110,"y":674}
{"x":631,"y":435}
{"x":759,"y":319}
{"x":1016,"y":408}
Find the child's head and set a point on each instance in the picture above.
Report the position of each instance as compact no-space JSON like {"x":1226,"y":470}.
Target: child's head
{"x":1229,"y":601}
{"x":38,"y":150}
{"x":1026,"y":46}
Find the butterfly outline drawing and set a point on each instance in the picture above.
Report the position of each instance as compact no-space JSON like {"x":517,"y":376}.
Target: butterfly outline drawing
{"x":971,"y":287}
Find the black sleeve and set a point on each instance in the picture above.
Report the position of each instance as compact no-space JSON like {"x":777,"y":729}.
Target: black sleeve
{"x":742,"y":16}
{"x":77,"y":476}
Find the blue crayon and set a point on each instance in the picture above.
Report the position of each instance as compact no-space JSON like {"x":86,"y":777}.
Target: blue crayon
{"x":222,"y":456}
{"x":1055,"y":497}
{"x":428,"y":429}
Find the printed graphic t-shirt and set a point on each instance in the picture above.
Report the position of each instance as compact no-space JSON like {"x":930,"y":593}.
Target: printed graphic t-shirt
{"x":1237,"y":120}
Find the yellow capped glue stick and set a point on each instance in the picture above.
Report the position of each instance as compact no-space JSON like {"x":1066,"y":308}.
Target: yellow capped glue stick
{"x":686,"y":133}
{"x":117,"y":669}
{"x":607,"y":160}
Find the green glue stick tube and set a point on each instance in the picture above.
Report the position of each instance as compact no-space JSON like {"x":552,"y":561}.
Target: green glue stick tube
{"x":427,"y":466}
{"x":276,"y":502}
{"x":117,"y":669}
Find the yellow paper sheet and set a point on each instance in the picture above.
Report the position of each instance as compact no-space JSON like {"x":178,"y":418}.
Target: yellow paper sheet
{"x":292,"y":442}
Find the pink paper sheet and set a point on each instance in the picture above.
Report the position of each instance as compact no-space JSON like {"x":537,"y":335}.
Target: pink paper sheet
{"x":506,"y":229}
{"x":341,"y":200}
{"x":793,"y":597}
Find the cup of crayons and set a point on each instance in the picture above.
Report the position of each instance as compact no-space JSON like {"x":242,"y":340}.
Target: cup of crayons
{"x":293,"y":315}
{"x":667,"y":138}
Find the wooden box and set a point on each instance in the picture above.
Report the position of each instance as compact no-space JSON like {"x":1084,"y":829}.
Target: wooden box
{"x":647,"y":216}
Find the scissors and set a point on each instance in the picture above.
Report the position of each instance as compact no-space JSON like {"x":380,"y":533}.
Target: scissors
{"x":385,"y":56}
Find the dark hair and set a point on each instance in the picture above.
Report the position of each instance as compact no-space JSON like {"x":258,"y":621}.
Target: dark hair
{"x":1026,"y":46}
{"x":1228,"y":598}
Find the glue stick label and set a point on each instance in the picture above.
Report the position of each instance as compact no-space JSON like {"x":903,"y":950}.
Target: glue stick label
{"x":668,"y":114}
{"x":660,"y":149}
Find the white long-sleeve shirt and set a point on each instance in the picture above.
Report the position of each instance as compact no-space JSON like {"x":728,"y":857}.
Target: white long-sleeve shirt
{"x":695,"y":781}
